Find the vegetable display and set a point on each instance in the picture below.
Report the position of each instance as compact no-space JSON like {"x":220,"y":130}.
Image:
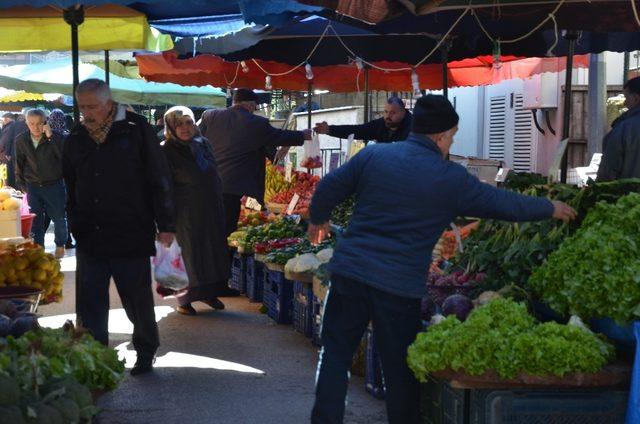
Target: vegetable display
{"x":282,"y":228}
{"x":596,"y":271}
{"x":282,"y":256}
{"x":502,"y":336}
{"x":342,"y":213}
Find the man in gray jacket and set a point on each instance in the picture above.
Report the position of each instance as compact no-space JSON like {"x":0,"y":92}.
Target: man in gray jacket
{"x":621,"y":158}
{"x":39,"y":171}
{"x":240,"y":141}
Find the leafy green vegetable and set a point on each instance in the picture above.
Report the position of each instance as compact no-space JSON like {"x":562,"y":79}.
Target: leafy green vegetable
{"x":520,"y":181}
{"x":596,"y":272}
{"x":341,"y":215}
{"x":502,"y":336}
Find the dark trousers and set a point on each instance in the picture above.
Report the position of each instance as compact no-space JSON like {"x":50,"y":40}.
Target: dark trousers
{"x":133,"y":281}
{"x":50,"y":200}
{"x":350,"y":305}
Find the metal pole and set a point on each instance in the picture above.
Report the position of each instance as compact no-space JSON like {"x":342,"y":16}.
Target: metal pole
{"x":74,"y":16}
{"x":309,"y":94}
{"x":625,"y":77}
{"x":367,"y":112}
{"x":446,"y":45}
{"x":106,"y":66}
{"x":571,"y":37}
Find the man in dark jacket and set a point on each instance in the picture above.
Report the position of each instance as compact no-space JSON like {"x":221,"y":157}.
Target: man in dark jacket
{"x":240,"y":141}
{"x":621,"y":156}
{"x":393,"y":126}
{"x":407,"y":193}
{"x":119,"y":199}
{"x":39,"y":171}
{"x":11,"y":128}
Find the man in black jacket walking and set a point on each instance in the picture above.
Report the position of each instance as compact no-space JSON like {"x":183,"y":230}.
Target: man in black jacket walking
{"x":11,"y":128}
{"x":119,"y":201}
{"x":39,"y":172}
{"x":395,"y":125}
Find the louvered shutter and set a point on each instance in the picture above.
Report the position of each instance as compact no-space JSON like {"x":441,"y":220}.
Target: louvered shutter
{"x":523,"y":136}
{"x":497,"y":127}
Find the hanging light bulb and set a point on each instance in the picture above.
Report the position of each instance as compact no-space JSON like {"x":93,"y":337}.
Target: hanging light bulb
{"x":359,"y":64}
{"x":267,"y":83}
{"x":497,"y":62}
{"x":245,"y":68}
{"x":415,"y":83}
{"x":309,"y":72}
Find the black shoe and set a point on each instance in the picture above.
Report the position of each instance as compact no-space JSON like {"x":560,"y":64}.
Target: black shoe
{"x":142,"y":366}
{"x":186,"y":309}
{"x":70,"y":245}
{"x":228,"y":292}
{"x":214,"y":303}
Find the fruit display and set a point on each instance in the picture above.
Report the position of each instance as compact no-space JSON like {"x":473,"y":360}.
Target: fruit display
{"x":7,"y":200}
{"x":501,"y":336}
{"x":304,"y":187}
{"x":253,"y":219}
{"x":275,"y":181}
{"x":312,"y":162}
{"x":27,"y":265}
{"x":15,"y":318}
{"x":596,"y":271}
{"x":47,"y":375}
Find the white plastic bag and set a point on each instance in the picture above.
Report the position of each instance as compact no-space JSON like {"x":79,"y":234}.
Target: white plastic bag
{"x":168,"y":267}
{"x":312,"y":156}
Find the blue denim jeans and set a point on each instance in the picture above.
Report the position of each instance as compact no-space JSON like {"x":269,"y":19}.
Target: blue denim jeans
{"x":50,"y":199}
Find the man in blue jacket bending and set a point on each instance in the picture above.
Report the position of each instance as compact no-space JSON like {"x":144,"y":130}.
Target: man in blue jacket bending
{"x":406,"y":194}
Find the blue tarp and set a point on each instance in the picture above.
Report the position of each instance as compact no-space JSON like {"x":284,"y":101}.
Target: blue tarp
{"x":203,"y":25}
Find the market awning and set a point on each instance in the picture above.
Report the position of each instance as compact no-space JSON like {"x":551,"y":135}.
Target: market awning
{"x":56,"y":77}
{"x":208,"y":69}
{"x":109,"y":27}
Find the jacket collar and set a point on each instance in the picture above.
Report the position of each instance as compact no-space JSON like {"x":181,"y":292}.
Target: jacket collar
{"x":424,"y":141}
{"x":628,"y":114}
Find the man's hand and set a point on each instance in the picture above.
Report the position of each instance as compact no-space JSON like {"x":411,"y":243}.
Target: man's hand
{"x":165,"y":238}
{"x":563,"y":211}
{"x":307,"y":134}
{"x":322,"y":128}
{"x":317,"y":233}
{"x":47,"y":130}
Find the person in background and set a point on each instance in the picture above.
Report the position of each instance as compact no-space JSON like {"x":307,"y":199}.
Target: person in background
{"x":197,"y":194}
{"x":621,"y":146}
{"x":158,"y":116}
{"x":406,"y":194}
{"x":240,"y":141}
{"x":57,"y":121}
{"x":393,"y":126}
{"x":39,"y":172}
{"x":11,"y":128}
{"x":119,"y":202}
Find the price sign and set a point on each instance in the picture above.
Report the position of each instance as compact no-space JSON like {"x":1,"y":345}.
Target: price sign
{"x":253,"y":204}
{"x":288,"y":169}
{"x":293,"y":203}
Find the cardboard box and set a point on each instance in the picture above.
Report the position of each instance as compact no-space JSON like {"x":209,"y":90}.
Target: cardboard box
{"x":10,"y":224}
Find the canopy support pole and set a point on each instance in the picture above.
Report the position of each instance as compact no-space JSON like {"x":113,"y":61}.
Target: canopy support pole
{"x":571,"y":37}
{"x":309,"y":94}
{"x":367,"y":112}
{"x":74,"y":16}
{"x":106,"y":66}
{"x":444,"y":49}
{"x":627,"y":58}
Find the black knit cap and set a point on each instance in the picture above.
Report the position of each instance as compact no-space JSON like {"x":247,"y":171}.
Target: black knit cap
{"x":244,"y":95}
{"x":433,"y":114}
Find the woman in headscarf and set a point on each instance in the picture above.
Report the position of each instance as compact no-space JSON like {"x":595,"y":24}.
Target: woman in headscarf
{"x":58,"y":122}
{"x":200,"y":214}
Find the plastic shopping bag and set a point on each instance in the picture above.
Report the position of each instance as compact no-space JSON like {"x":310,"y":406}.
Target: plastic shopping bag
{"x":168,"y":267}
{"x":312,"y":156}
{"x":633,"y":406}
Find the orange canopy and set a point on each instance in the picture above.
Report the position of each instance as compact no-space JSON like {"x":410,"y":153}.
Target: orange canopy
{"x":212,"y":70}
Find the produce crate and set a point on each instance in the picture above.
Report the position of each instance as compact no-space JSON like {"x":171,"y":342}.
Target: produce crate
{"x":442,"y":404}
{"x":303,"y":308}
{"x":238,"y":265}
{"x":278,"y":296}
{"x":255,"y":280}
{"x":316,"y":340}
{"x":373,"y":378}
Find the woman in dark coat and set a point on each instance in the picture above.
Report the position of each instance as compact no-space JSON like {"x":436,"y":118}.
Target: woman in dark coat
{"x":200,"y":214}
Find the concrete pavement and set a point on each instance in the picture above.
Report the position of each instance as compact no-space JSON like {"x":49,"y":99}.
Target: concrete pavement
{"x":231,"y":366}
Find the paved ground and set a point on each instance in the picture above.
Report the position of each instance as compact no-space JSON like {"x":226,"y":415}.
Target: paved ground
{"x":231,"y":366}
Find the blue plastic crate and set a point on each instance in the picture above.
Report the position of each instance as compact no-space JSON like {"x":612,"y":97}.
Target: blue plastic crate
{"x":254,"y":280}
{"x":316,"y":340}
{"x":303,"y":308}
{"x":238,"y":265}
{"x":278,"y":296}
{"x":373,"y":378}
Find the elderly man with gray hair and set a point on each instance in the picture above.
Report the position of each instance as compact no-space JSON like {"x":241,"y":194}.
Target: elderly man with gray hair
{"x":39,"y":172}
{"x":119,"y":202}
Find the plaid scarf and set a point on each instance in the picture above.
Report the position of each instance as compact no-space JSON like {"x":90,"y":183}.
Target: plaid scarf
{"x":99,"y":134}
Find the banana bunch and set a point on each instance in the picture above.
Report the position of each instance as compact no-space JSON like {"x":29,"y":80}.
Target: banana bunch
{"x":275,"y":181}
